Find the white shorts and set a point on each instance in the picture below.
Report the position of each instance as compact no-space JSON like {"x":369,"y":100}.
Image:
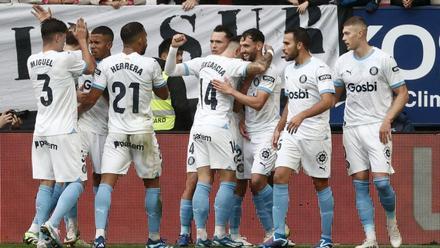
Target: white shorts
{"x":240,"y":172}
{"x":58,"y":158}
{"x":364,"y":151}
{"x":93,"y":146}
{"x":142,"y":149}
{"x":314,"y":156}
{"x":214,"y":147}
{"x":259,"y":156}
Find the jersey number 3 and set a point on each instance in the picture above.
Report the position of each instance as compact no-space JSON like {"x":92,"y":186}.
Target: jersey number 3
{"x":46,"y":89}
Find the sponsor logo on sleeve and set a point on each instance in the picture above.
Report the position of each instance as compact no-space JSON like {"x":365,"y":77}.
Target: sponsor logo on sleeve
{"x":325,"y":77}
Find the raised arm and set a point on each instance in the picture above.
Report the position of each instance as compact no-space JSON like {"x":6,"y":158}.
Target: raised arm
{"x":171,"y":69}
{"x":80,"y":34}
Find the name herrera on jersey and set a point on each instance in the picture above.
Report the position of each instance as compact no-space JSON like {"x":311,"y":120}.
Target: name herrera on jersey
{"x":42,"y":62}
{"x":214,"y":66}
{"x":126,"y":66}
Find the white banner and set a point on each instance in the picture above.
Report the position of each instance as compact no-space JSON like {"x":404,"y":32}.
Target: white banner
{"x":20,"y":34}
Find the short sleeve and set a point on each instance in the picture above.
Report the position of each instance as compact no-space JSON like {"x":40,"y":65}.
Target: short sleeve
{"x":100,"y":77}
{"x":268,"y":81}
{"x":324,"y":79}
{"x":75,"y":64}
{"x":158,"y":80}
{"x":338,"y":81}
{"x":392,"y":73}
{"x":237,"y":67}
{"x":192,"y":67}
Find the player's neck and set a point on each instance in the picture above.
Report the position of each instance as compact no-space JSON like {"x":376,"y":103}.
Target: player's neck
{"x":50,"y":47}
{"x":128,"y":50}
{"x":363,"y":50}
{"x":302,"y":58}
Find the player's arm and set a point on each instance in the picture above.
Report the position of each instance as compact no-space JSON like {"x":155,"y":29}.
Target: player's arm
{"x":261,"y":64}
{"x":256,"y":102}
{"x":80,"y":34}
{"x":171,"y":68}
{"x":280,"y":126}
{"x":87,"y":100}
{"x":339,"y":91}
{"x":160,"y":87}
{"x":161,"y":92}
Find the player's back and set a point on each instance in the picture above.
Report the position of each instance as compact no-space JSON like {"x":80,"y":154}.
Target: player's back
{"x":130,"y":79}
{"x":214,"y":108}
{"x":52,"y":74}
{"x":304,"y":85}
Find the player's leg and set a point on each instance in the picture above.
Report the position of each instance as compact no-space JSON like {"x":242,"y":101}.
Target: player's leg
{"x":201,"y":204}
{"x":186,"y":206}
{"x":68,"y":168}
{"x":235,"y":218}
{"x":116,"y":160}
{"x":381,"y":168}
{"x":326,"y":207}
{"x":288,"y":161}
{"x":262,"y":158}
{"x":358,"y":167}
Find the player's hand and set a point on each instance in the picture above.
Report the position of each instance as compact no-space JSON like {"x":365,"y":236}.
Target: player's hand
{"x":81,"y":96}
{"x":303,"y":7}
{"x":40,"y":13}
{"x":268,"y":48}
{"x":178,"y":40}
{"x":385,"y":132}
{"x":116,"y":4}
{"x":223,"y":87}
{"x":5,"y":118}
{"x":189,"y":4}
{"x":294,"y":123}
{"x":243,"y":130}
{"x":275,"y":138}
{"x":80,"y":31}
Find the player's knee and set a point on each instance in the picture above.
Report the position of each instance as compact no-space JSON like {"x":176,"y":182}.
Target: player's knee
{"x":383,"y":185}
{"x":151,"y":183}
{"x":320,"y":183}
{"x":257,"y":184}
{"x":280,"y":178}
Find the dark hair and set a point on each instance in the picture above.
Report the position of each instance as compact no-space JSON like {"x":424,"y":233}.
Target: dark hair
{"x":50,"y":27}
{"x":236,"y":39}
{"x":164,"y":46}
{"x":224,"y":29}
{"x":300,"y":35}
{"x":104,"y":30}
{"x":254,"y":34}
{"x":130,"y":31}
{"x":355,"y":20}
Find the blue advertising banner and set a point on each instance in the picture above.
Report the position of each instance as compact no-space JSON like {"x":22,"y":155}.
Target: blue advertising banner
{"x":413,"y":38}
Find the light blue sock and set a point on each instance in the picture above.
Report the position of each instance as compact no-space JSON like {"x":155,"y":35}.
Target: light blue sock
{"x":201,"y":204}
{"x":186,"y":216}
{"x":326,"y":207}
{"x":57,"y":190}
{"x":280,"y":205}
{"x":103,"y":200}
{"x":35,"y":220}
{"x":67,"y":200}
{"x":387,"y":196}
{"x":235,"y":218}
{"x":263,"y":202}
{"x":43,"y":204}
{"x":364,"y":204}
{"x":95,"y":190}
{"x":72,"y":215}
{"x":224,"y":200}
{"x":153,"y":206}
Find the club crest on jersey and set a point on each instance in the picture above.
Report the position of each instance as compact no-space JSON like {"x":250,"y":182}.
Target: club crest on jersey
{"x":374,"y":70}
{"x":265,"y":154}
{"x":240,"y":168}
{"x":303,"y":79}
{"x":321,"y":158}
{"x":256,"y":81}
{"x":387,"y":152}
{"x":191,"y":160}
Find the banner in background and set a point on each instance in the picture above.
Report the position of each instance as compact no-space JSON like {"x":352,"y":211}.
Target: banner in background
{"x":21,"y":35}
{"x":413,"y":38}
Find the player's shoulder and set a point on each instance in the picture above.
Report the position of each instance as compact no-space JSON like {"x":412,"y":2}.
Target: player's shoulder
{"x":381,"y":55}
{"x":346,"y":56}
{"x":319,"y":63}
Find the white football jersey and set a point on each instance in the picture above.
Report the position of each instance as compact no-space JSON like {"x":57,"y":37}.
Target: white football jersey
{"x":94,"y":120}
{"x":52,"y":74}
{"x":304,"y":85}
{"x":130,"y":79}
{"x":214,"y":108}
{"x":369,"y":84}
{"x":265,"y":120}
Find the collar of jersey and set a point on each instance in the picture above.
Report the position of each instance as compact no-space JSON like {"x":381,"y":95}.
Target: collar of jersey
{"x":365,"y":57}
{"x":303,"y":64}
